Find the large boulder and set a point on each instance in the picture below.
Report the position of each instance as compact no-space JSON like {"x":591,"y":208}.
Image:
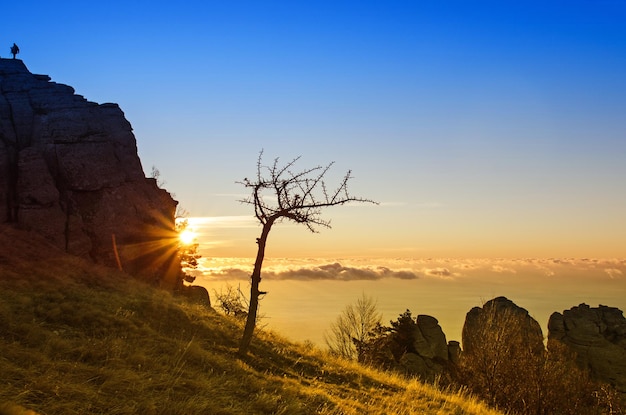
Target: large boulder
{"x":500,"y":320}
{"x":428,"y":354}
{"x":69,"y":169}
{"x":430,"y":341}
{"x":597,"y":337}
{"x":503,"y":353}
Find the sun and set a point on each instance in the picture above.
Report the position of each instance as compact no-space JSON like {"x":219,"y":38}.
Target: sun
{"x":187,"y":236}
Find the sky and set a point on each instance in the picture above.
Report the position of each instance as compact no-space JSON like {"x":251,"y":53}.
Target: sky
{"x":484,"y":129}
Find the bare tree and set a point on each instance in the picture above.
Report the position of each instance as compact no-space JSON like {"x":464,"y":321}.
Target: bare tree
{"x":279,"y":193}
{"x":353,"y":327}
{"x":155,"y":174}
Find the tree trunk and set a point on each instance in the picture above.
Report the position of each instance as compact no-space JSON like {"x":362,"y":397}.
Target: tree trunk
{"x":254,"y":290}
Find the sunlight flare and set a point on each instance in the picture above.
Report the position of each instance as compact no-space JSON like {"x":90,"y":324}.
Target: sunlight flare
{"x":187,"y":237}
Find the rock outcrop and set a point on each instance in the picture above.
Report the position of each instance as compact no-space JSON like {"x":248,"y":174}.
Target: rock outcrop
{"x":69,"y":169}
{"x":428,"y":354}
{"x":501,"y":320}
{"x":597,"y":336}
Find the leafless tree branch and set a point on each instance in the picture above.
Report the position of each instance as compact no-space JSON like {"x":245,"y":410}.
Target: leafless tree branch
{"x":278,"y":193}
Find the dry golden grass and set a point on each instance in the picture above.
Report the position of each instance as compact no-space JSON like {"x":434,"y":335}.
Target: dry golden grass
{"x":80,"y":339}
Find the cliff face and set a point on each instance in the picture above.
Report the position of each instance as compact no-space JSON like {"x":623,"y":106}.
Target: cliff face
{"x":69,"y":169}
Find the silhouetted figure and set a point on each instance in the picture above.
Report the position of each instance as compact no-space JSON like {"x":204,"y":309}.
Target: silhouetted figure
{"x":15,"y":50}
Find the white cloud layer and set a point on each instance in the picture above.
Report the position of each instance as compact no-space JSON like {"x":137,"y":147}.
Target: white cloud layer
{"x":362,"y":269}
{"x":333,"y":271}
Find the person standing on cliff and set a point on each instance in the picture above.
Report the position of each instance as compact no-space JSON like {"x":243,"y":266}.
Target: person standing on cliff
{"x":15,"y":50}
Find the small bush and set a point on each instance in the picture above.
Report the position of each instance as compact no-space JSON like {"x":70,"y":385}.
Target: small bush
{"x":352,"y":328}
{"x":232,"y":302}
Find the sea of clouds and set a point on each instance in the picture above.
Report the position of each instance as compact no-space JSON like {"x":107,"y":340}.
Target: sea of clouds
{"x":409,"y":269}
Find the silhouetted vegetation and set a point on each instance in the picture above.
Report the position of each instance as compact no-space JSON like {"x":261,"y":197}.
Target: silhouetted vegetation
{"x":232,"y":302}
{"x":278,"y":193}
{"x":187,"y":251}
{"x":353,"y":327}
{"x":505,"y":364}
{"x":390,"y":347}
{"x":155,"y":174}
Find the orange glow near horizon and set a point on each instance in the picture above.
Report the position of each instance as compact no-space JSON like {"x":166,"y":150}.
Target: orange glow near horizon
{"x":234,"y":236}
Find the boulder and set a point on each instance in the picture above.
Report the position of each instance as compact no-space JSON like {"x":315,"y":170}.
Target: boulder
{"x":597,"y":337}
{"x":427,"y":355}
{"x":501,"y":320}
{"x":196,"y":294}
{"x":69,"y":169}
{"x":427,"y":369}
{"x":454,"y":352}
{"x":430,"y":340}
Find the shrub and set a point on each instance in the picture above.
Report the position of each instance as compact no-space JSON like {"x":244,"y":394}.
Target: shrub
{"x":352,"y":328}
{"x":232,"y":302}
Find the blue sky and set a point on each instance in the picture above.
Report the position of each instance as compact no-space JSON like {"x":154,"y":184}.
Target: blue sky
{"x":484,"y":128}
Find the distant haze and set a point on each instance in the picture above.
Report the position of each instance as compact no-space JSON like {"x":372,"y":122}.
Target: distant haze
{"x":305,"y":296}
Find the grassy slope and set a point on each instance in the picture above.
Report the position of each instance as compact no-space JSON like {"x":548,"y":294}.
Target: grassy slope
{"x":80,"y":339}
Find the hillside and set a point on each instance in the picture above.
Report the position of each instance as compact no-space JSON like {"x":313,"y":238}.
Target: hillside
{"x":77,"y":338}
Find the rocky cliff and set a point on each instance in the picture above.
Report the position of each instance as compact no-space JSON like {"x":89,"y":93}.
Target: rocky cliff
{"x":597,"y":336}
{"x":69,"y":169}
